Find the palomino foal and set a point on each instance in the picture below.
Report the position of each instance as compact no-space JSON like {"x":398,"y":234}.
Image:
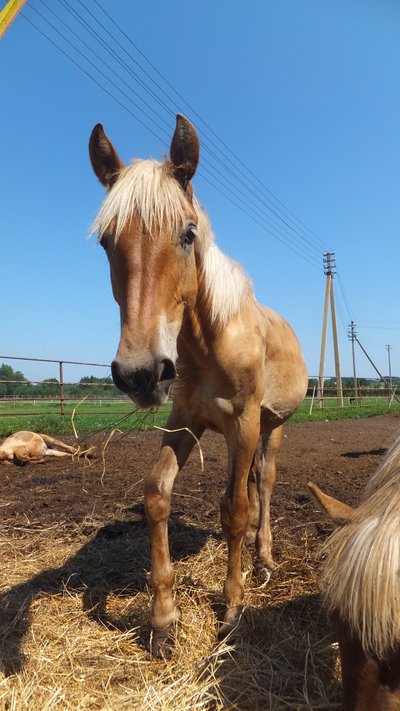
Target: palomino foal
{"x":23,"y":447}
{"x":189,"y":319}
{"x":360,"y":581}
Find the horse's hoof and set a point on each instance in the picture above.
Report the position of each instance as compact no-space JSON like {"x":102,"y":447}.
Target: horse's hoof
{"x":225,"y":630}
{"x":161,"y":643}
{"x":250,"y":537}
{"x":264,"y":575}
{"x":229,"y":625}
{"x":263,"y":571}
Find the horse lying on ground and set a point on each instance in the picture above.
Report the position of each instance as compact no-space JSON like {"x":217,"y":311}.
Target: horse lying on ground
{"x":361,"y":587}
{"x":23,"y":447}
{"x":189,"y":318}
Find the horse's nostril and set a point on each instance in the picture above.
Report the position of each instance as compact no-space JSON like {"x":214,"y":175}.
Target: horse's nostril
{"x":143,"y":381}
{"x":167,"y":370}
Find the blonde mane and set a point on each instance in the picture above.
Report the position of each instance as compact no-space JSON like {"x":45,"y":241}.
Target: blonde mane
{"x":148,"y":188}
{"x":360,"y":577}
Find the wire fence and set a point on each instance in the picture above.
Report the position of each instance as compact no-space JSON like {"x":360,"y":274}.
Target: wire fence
{"x":60,"y":393}
{"x":365,"y":393}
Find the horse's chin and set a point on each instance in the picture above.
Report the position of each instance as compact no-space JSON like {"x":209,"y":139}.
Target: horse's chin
{"x":153,"y":399}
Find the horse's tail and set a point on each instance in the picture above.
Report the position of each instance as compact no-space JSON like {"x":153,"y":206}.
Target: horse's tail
{"x":361,"y":572}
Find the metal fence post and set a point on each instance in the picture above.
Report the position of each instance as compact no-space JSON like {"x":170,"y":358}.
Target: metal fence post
{"x":61,"y":390}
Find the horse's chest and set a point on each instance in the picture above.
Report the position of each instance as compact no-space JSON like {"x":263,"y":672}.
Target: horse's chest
{"x":214,"y":408}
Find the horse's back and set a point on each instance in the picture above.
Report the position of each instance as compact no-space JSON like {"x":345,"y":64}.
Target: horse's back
{"x":17,"y":439}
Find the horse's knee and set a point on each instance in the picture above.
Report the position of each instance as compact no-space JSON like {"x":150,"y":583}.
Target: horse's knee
{"x":157,"y":504}
{"x":234,"y":516}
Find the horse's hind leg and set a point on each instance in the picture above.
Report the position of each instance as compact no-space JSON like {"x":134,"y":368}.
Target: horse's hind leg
{"x":175,"y":449}
{"x":254,"y":499}
{"x":389,"y":679}
{"x":266,"y":475}
{"x":362,"y":675}
{"x":52,"y":442}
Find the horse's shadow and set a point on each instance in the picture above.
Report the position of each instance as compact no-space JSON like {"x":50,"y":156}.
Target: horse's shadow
{"x":372,"y":453}
{"x":114,"y":561}
{"x":295,"y":641}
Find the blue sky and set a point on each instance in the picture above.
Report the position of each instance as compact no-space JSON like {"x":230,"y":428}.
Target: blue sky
{"x":306,"y":93}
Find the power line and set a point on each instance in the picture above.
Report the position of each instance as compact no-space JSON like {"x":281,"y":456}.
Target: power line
{"x":194,"y":112}
{"x":343,"y":294}
{"x":313,"y":263}
{"x":380,"y":328}
{"x":277,"y":212}
{"x":296,"y":248}
{"x":106,"y":46}
{"x":95,"y":66}
{"x":248,"y":194}
{"x":90,"y":76}
{"x":239,"y":177}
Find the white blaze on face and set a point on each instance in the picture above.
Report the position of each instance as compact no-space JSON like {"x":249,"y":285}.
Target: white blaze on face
{"x":168,"y":335}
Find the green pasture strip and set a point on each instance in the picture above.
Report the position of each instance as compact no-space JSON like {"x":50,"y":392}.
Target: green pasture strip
{"x":369,"y":408}
{"x":46,"y":407}
{"x":125,"y":417}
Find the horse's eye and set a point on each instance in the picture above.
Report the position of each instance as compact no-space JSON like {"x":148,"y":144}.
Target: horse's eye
{"x":189,"y":235}
{"x":104,"y":241}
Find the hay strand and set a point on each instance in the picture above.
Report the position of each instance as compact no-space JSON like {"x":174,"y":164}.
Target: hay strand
{"x":186,"y":429}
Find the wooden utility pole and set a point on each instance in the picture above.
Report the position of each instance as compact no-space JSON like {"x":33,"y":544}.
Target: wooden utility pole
{"x":352,"y":337}
{"x":320,"y":392}
{"x":329,"y":271}
{"x":389,"y":348}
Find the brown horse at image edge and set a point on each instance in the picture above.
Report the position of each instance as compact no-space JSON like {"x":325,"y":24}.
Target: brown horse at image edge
{"x":360,"y":581}
{"x":191,"y":326}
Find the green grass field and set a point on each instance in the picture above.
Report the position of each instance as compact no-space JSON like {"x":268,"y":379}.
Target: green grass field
{"x":89,"y":417}
{"x":370,"y":406}
{"x":100,"y":415}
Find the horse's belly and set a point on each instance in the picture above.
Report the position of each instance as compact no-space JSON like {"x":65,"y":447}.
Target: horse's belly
{"x":269,"y":418}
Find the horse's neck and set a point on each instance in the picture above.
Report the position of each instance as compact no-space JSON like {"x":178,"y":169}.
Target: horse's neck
{"x":198,"y":332}
{"x":223,"y":289}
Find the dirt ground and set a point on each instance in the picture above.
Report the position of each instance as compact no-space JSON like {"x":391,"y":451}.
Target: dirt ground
{"x":339,"y":456}
{"x":84,"y":506}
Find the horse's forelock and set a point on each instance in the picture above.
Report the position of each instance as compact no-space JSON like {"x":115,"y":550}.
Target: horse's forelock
{"x":148,"y":189}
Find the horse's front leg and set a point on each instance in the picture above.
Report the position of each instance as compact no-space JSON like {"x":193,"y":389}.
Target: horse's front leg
{"x":175,"y":449}
{"x":242,"y":441}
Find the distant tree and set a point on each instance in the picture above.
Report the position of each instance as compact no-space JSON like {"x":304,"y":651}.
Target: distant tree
{"x":101,"y":386}
{"x":49,"y":388}
{"x":91,"y":379}
{"x":8,"y":374}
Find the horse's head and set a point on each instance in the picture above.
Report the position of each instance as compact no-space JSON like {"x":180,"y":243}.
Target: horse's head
{"x":147,"y":226}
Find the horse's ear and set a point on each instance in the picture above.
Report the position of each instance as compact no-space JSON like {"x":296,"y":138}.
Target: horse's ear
{"x":336,"y":510}
{"x":184,"y":151}
{"x":104,"y":158}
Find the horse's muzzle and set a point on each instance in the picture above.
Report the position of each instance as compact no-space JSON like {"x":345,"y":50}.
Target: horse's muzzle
{"x":146,"y":387}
